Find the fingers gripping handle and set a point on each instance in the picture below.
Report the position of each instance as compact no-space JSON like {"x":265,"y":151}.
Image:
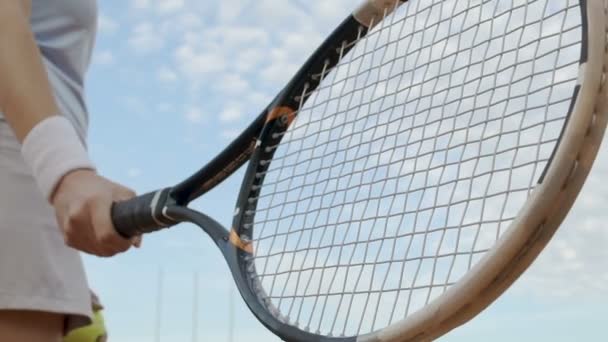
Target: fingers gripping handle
{"x":141,"y":214}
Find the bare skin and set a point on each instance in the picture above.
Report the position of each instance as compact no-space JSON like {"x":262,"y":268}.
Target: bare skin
{"x":82,"y":200}
{"x":31,"y":326}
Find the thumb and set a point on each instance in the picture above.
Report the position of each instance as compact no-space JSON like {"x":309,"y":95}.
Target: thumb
{"x":121,"y":193}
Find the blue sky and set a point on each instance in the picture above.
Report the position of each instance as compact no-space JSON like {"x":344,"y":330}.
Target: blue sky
{"x":173,"y":81}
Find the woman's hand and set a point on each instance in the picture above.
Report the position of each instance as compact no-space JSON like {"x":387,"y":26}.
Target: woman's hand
{"x":82,"y":202}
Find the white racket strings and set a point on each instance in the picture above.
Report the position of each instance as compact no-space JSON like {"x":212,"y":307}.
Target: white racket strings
{"x":411,"y":158}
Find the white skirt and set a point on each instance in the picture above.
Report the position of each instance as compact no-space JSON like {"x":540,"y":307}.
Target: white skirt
{"x":37,"y":270}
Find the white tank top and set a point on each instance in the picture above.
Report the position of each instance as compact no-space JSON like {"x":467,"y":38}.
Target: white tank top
{"x":65,"y":33}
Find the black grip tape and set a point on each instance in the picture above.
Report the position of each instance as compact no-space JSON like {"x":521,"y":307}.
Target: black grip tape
{"x":141,"y":214}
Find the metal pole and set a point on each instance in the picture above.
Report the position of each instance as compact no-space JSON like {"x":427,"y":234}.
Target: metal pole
{"x":195,"y":310}
{"x":231,"y":312}
{"x":159,"y":302}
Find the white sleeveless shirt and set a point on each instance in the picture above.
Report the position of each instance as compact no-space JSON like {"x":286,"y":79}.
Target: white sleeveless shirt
{"x":37,"y":270}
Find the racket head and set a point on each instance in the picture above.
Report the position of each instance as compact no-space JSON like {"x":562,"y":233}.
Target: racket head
{"x":568,"y":99}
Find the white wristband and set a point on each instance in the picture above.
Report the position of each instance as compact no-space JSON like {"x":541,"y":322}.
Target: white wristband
{"x":52,"y":149}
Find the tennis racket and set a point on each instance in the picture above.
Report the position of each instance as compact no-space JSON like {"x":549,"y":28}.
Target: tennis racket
{"x":412,"y":169}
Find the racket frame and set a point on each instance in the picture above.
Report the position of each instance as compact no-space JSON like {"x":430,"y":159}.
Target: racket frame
{"x":489,"y":278}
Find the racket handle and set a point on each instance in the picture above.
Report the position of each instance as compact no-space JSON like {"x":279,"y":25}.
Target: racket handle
{"x":142,"y":214}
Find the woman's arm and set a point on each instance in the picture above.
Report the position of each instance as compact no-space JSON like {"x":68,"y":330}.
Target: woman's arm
{"x":25,"y":94}
{"x":81,"y":198}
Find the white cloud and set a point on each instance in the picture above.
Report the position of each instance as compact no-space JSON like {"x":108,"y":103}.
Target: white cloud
{"x":281,"y":68}
{"x":194,"y":115}
{"x":280,"y":13}
{"x":193,"y":63}
{"x":237,"y":37}
{"x":302,"y":43}
{"x":285,"y":60}
{"x":331,"y":10}
{"x":221,"y":47}
{"x":107,"y":25}
{"x":168,"y":6}
{"x":249,"y":58}
{"x":231,"y":113}
{"x":166,"y":75}
{"x":258,"y":100}
{"x":230,"y":10}
{"x":232,"y":84}
{"x":230,"y":133}
{"x":145,"y":38}
{"x":134,"y":172}
{"x":141,"y":4}
{"x":187,"y":20}
{"x":104,"y":58}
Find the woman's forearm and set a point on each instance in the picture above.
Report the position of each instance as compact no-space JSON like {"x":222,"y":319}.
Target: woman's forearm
{"x":26,"y":97}
{"x":50,"y":145}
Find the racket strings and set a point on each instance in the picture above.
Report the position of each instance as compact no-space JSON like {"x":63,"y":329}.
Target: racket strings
{"x":410,"y":160}
{"x":425,"y":153}
{"x":451,"y":101}
{"x":407,"y":55}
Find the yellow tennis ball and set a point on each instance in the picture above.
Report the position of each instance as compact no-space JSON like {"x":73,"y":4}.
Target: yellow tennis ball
{"x":95,"y":332}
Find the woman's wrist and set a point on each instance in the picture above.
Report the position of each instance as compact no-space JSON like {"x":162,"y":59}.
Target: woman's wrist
{"x":52,"y":149}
